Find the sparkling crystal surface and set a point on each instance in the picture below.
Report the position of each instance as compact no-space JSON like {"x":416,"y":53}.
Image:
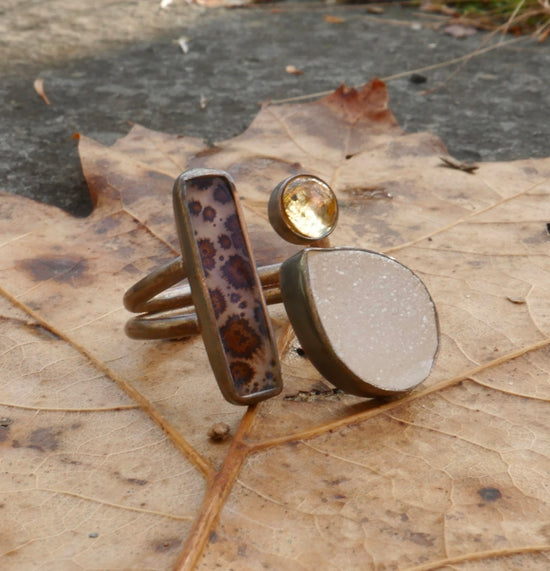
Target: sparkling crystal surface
{"x":377,"y":316}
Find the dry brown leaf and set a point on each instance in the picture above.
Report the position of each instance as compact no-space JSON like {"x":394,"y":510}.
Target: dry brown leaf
{"x":333,"y":19}
{"x":293,"y":70}
{"x":459,"y":31}
{"x":437,"y":7}
{"x":452,"y":163}
{"x":374,"y":9}
{"x":226,"y":3}
{"x":452,"y":476}
{"x":39,"y":88}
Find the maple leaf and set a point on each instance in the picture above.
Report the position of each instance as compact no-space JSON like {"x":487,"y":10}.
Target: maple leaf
{"x":106,"y":455}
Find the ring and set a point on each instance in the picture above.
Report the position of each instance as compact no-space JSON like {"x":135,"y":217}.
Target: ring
{"x":366,"y":322}
{"x":223,"y":287}
{"x":302,"y":209}
{"x":144,"y":297}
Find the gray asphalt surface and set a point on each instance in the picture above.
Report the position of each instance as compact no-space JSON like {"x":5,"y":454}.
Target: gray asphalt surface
{"x":497,"y":107}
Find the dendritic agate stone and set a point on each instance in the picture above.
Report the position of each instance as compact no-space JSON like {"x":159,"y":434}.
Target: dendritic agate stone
{"x":226,"y":292}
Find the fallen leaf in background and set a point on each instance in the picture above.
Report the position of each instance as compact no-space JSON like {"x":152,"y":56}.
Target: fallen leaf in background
{"x":454,"y":474}
{"x":293,"y":70}
{"x":438,"y":8}
{"x":459,"y":31}
{"x":203,"y":101}
{"x":333,"y":19}
{"x":544,"y":34}
{"x":225,"y":3}
{"x":452,"y":163}
{"x":183,"y":43}
{"x":375,"y":9}
{"x":39,"y":88}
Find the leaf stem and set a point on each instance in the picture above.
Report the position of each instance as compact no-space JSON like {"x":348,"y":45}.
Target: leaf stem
{"x":222,"y":483}
{"x":373,"y":412}
{"x":179,"y":441}
{"x":219,"y":489}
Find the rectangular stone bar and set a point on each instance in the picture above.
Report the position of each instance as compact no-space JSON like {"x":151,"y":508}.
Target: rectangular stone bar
{"x":225,"y":287}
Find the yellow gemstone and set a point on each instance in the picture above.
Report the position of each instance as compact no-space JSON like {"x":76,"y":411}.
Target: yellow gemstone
{"x":310,"y":207}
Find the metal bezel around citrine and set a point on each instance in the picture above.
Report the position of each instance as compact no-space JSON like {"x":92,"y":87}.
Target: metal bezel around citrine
{"x":285,"y":224}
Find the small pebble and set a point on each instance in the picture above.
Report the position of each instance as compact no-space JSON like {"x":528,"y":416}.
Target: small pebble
{"x":93,"y":535}
{"x":219,"y":432}
{"x":459,"y":31}
{"x":418,"y":78}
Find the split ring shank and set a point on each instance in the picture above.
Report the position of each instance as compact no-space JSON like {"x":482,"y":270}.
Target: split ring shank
{"x":158,"y":321}
{"x":140,"y":298}
{"x":302,"y":209}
